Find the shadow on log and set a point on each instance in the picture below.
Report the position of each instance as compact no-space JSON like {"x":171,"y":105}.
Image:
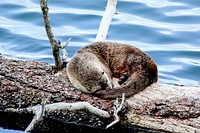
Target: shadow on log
{"x":160,"y":107}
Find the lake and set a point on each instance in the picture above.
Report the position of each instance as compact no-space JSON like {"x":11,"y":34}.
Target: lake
{"x":168,"y":30}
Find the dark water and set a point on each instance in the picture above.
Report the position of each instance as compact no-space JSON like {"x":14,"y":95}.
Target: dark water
{"x":168,"y":30}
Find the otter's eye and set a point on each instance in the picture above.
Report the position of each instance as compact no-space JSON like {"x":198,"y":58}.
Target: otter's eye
{"x":102,"y":73}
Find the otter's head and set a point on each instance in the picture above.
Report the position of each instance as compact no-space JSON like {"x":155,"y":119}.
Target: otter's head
{"x":87,"y":74}
{"x":95,"y":79}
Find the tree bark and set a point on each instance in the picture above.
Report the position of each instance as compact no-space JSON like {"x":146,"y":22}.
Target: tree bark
{"x":160,"y":107}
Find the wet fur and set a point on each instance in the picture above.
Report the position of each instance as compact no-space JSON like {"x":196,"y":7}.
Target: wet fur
{"x":92,"y":68}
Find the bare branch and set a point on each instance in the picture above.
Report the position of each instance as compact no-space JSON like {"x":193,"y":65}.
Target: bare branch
{"x":54,"y":43}
{"x":64,"y":53}
{"x":66,"y":43}
{"x":41,"y":110}
{"x":105,"y":22}
{"x":117,"y":109}
{"x":77,"y":106}
{"x":39,"y":113}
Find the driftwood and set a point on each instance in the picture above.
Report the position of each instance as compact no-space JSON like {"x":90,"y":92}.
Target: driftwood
{"x":160,"y":107}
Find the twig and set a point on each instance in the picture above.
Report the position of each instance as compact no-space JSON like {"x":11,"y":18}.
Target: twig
{"x":117,"y":109}
{"x":105,"y":22}
{"x":63,"y":47}
{"x":39,"y":113}
{"x":64,"y":52}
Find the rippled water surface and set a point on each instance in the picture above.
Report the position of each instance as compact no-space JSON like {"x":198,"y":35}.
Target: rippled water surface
{"x":168,"y":30}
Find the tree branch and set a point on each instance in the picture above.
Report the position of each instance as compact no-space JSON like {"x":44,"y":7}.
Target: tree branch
{"x":39,"y":113}
{"x":105,"y":22}
{"x":41,"y":110}
{"x":117,"y":108}
{"x":55,"y":45}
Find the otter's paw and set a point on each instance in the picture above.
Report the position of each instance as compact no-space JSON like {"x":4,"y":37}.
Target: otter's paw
{"x":123,"y":78}
{"x":106,"y":94}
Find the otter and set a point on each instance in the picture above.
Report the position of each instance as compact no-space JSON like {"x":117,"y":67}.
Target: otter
{"x":93,"y":67}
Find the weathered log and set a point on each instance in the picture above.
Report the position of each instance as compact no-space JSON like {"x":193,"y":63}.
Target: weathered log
{"x":169,"y":107}
{"x":160,"y":107}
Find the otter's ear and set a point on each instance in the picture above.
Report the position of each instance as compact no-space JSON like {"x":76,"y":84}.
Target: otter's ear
{"x":102,"y":73}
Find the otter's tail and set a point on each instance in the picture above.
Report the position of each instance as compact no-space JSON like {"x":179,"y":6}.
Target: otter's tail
{"x":137,"y":82}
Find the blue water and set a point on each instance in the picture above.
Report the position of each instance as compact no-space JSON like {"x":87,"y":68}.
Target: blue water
{"x":168,"y":30}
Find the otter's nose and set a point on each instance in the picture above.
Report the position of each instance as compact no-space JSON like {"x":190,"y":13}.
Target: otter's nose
{"x":103,"y":86}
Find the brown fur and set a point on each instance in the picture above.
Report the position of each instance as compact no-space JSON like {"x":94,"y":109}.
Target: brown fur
{"x":135,"y":69}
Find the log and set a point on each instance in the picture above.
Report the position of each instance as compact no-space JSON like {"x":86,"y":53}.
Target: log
{"x":160,"y":107}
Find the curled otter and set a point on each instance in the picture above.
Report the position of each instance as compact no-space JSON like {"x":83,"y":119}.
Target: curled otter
{"x":93,"y":67}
